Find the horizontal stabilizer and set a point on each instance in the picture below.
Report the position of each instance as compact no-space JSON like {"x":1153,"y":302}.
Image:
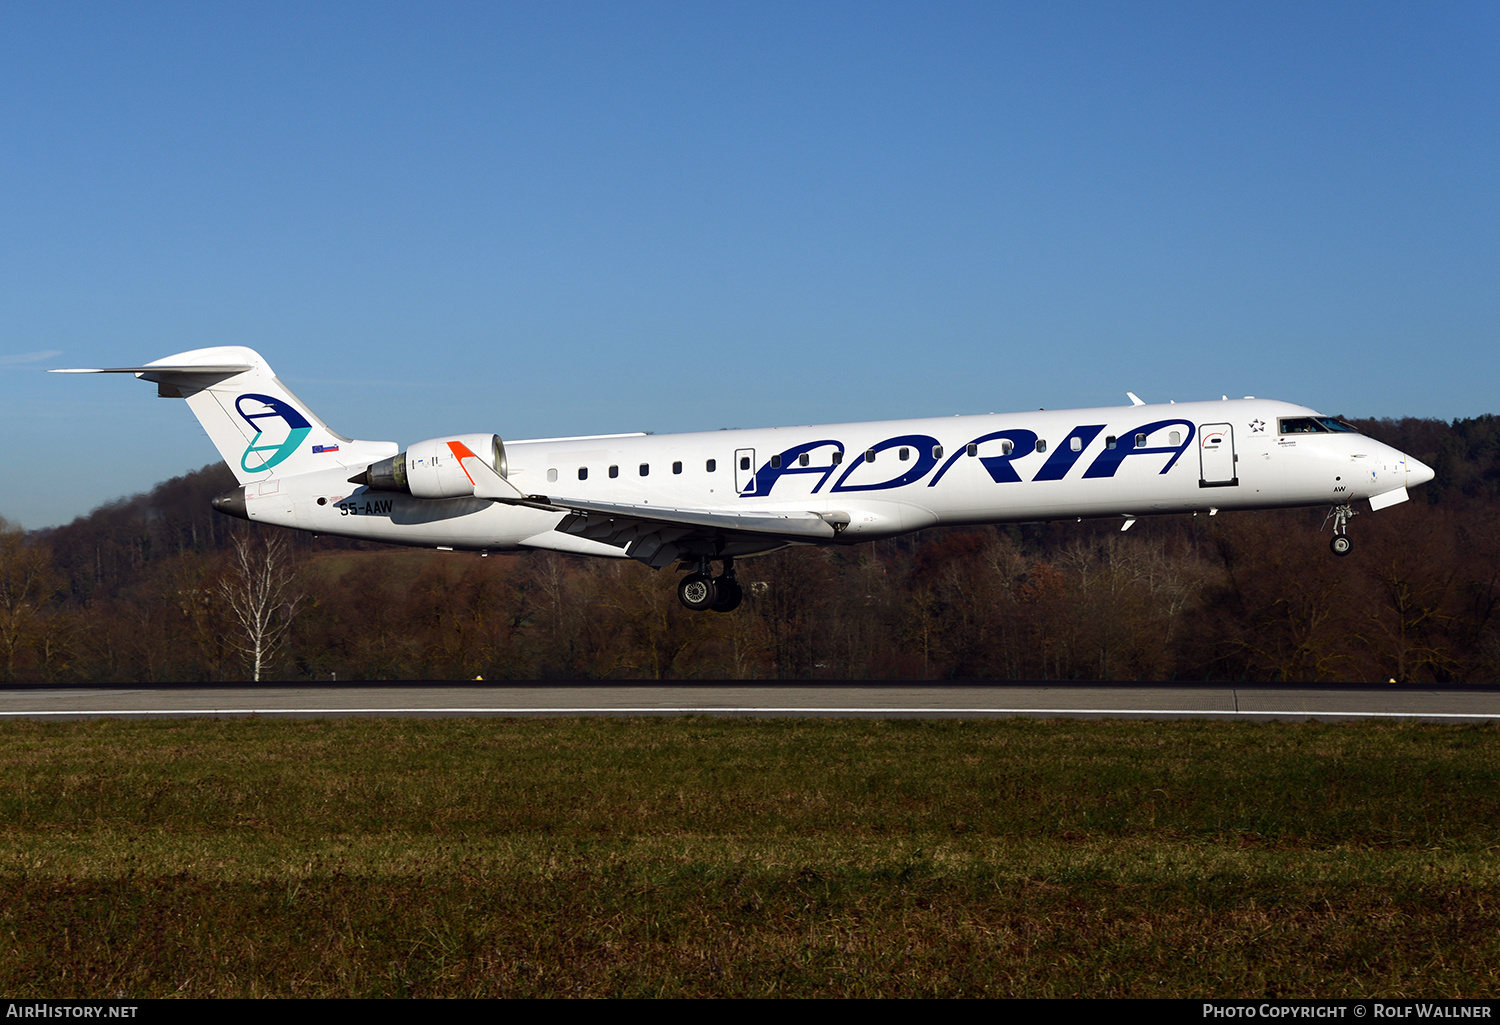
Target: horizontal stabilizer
{"x":173,"y":371}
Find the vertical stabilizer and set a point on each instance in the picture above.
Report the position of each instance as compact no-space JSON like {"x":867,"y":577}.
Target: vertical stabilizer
{"x":261,"y":429}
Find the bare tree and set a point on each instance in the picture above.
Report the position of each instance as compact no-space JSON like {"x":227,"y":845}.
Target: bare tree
{"x":27,"y":584}
{"x":261,"y":593}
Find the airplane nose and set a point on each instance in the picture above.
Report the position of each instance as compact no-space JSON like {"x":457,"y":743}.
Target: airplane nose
{"x":1417,"y":472}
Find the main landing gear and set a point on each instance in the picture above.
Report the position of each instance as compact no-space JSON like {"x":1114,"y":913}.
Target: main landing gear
{"x":1340,"y":514}
{"x":702,"y":590}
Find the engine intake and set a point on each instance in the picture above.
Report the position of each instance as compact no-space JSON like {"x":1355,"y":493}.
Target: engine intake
{"x":434,"y":468}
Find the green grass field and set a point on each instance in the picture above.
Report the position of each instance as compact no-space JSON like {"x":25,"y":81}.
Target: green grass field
{"x":685,"y":857}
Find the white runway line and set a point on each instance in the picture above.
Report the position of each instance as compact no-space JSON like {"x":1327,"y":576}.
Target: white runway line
{"x":753,"y":710}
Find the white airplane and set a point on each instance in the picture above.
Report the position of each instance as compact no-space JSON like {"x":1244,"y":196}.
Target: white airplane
{"x":695,"y":499}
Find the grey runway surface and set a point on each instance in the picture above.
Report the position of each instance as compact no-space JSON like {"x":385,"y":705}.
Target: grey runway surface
{"x":738,"y":698}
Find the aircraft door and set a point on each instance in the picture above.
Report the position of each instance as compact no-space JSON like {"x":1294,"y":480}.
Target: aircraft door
{"x":744,"y":470}
{"x":1216,"y":456}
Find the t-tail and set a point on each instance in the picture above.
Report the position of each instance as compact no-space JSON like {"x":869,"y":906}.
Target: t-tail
{"x":262,"y":430}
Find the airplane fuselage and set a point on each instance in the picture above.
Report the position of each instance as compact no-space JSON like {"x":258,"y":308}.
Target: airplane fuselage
{"x":887,"y":477}
{"x":690,"y":499}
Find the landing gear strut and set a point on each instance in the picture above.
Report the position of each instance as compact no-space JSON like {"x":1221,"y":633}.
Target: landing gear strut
{"x":702,"y":590}
{"x":1340,"y":514}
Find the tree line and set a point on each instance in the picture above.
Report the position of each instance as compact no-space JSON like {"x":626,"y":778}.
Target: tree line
{"x":156,"y":588}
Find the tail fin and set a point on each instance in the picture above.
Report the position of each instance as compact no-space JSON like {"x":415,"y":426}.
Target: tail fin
{"x":261,"y":429}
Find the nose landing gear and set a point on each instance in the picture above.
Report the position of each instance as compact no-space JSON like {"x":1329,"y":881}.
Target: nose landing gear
{"x":1340,"y":514}
{"x":702,"y":591}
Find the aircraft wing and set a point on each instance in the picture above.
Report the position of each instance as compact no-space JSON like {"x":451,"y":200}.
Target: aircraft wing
{"x":587,"y":517}
{"x":660,"y":535}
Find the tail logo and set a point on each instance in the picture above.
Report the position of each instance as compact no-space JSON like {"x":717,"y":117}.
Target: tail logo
{"x":258,"y":408}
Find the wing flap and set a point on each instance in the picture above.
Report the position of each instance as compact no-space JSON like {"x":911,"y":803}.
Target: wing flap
{"x":601,"y":521}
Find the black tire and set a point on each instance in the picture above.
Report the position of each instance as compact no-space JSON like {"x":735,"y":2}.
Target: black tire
{"x":730,"y":595}
{"x":697,"y":592}
{"x":1341,"y":545}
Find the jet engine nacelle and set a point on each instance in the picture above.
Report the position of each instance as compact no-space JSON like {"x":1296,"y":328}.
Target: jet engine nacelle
{"x":434,"y":468}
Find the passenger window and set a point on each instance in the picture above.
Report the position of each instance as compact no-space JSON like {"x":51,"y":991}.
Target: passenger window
{"x":904,"y":454}
{"x":1176,"y":437}
{"x":1075,"y":443}
{"x":1109,"y":441}
{"x":838,"y":458}
{"x":973,"y":449}
{"x":583,"y":473}
{"x":1041,"y":445}
{"x":645,"y":469}
{"x":869,"y":455}
{"x":803,"y":460}
{"x":1006,"y":448}
{"x":775,"y":462}
{"x":552,"y":476}
{"x":614,"y":471}
{"x":711,"y":465}
{"x":677,"y":467}
{"x":1140,"y":441}
{"x":937,"y":451}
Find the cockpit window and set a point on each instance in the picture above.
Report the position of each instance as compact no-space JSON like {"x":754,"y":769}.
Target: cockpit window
{"x":1314,"y":425}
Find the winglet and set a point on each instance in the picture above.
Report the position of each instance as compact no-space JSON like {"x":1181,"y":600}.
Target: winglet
{"x":487,"y":483}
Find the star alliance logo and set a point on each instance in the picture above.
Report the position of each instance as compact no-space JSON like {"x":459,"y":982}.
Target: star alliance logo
{"x":1257,"y":426}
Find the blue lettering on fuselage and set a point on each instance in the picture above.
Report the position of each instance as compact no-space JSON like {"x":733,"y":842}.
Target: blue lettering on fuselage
{"x":1110,"y":459}
{"x":767,"y":476}
{"x":1000,"y":468}
{"x":925,"y":445}
{"x":1060,"y":462}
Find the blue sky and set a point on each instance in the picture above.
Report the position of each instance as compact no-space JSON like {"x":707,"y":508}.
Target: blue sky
{"x":567,"y":218}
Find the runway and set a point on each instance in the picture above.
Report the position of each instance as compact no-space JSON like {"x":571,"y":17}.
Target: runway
{"x":1331,"y":702}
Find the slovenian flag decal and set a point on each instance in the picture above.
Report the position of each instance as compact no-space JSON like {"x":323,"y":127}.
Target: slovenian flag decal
{"x":324,"y":448}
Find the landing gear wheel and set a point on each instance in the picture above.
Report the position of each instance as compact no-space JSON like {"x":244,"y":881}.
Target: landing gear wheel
{"x":1340,"y":515}
{"x":697,"y":592}
{"x":730,"y":594}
